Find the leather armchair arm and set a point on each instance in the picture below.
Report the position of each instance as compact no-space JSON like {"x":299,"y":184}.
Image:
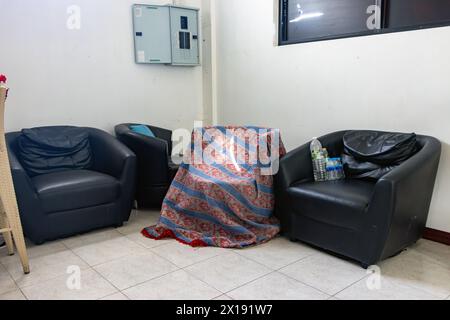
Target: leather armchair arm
{"x":402,"y":198}
{"x":27,"y":199}
{"x":153,"y":156}
{"x":110,"y":155}
{"x":22,"y":182}
{"x":296,"y":166}
{"x":165,"y":135}
{"x":114,"y":158}
{"x":421,"y":165}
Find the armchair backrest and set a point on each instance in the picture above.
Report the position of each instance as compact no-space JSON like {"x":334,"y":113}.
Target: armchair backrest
{"x":45,"y":150}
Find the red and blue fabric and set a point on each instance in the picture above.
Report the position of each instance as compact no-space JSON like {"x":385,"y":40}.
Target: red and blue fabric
{"x":217,"y":203}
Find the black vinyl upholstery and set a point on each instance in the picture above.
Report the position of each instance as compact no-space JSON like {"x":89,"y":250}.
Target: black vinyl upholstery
{"x":155,"y":168}
{"x":69,"y":202}
{"x":366,"y":221}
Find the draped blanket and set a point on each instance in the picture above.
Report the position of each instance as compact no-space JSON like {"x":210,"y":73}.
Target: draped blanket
{"x":223,"y":192}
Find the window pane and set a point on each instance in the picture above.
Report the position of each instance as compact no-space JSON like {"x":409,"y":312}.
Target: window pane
{"x":314,"y":19}
{"x":416,"y":13}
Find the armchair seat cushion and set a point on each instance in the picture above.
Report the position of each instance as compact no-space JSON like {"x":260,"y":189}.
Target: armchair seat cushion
{"x":75,"y":189}
{"x":340,"y":203}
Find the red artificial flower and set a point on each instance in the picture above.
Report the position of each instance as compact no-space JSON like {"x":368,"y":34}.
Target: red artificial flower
{"x":3,"y":78}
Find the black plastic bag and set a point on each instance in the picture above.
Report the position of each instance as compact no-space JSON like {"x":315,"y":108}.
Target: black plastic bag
{"x":372,"y":154}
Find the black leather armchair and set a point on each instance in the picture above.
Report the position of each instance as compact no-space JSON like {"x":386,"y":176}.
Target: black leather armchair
{"x":367,"y":221}
{"x":70,"y":202}
{"x":155,"y":168}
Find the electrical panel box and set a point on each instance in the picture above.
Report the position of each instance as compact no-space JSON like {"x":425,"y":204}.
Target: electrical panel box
{"x":166,"y":35}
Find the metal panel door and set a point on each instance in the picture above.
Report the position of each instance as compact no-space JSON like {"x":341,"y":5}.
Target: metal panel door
{"x":152,"y":34}
{"x":185,"y":37}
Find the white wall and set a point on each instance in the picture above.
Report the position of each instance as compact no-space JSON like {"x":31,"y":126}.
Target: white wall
{"x":397,"y":82}
{"x":88,"y":76}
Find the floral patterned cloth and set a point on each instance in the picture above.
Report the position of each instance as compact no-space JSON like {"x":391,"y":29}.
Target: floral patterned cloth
{"x":226,"y":199}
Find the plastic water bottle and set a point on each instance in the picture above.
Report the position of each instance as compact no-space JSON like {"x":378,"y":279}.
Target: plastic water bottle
{"x":319,"y":160}
{"x":335,"y":170}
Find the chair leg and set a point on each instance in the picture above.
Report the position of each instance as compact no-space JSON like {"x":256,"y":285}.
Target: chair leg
{"x":19,"y":240}
{"x":8,"y":195}
{"x":6,"y":235}
{"x":9,"y":202}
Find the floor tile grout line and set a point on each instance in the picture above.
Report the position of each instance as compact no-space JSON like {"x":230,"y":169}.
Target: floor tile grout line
{"x":98,"y":273}
{"x":277,"y":269}
{"x":12,"y":278}
{"x":328,"y":294}
{"x":92,"y":267}
{"x":23,"y":293}
{"x":396,"y":282}
{"x":119,"y":290}
{"x":304,"y":283}
{"x":115,"y":259}
{"x":13,"y":290}
{"x":351,"y":285}
{"x":206,"y":259}
{"x":33,"y":284}
{"x":289,"y":264}
{"x":221,"y":295}
{"x":210,"y":285}
{"x":112,"y":294}
{"x":161,"y":276}
{"x":261,"y":264}
{"x":39,"y":282}
{"x":273,"y":270}
{"x":247,"y":283}
{"x":148,"y":280}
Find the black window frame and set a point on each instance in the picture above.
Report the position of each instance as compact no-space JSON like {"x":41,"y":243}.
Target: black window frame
{"x":384,"y":29}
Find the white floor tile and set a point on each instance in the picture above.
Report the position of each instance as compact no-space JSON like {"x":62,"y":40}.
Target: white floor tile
{"x":178,"y":285}
{"x":223,"y":297}
{"x":325,"y":272}
{"x":435,"y":252}
{"x":183,"y":255}
{"x":276,"y":286}
{"x":228,"y":271}
{"x":12,"y":295}
{"x":7,"y":283}
{"x":134,"y":269}
{"x":115,"y":297}
{"x":417,"y":270}
{"x":94,"y":237}
{"x":139,"y":220}
{"x":44,"y":267}
{"x":147,"y":242}
{"x":93,"y":287}
{"x":388,"y":290}
{"x":35,"y":251}
{"x":277,"y":253}
{"x":101,"y":251}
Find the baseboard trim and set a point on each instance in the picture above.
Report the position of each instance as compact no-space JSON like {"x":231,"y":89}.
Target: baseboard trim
{"x":437,"y":236}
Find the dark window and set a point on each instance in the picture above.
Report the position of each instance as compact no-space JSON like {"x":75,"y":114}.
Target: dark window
{"x":311,"y":20}
{"x":315,"y":19}
{"x":184,"y":23}
{"x":416,"y":13}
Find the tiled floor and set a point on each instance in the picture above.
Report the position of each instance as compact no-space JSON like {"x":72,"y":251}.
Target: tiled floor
{"x":119,"y":264}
